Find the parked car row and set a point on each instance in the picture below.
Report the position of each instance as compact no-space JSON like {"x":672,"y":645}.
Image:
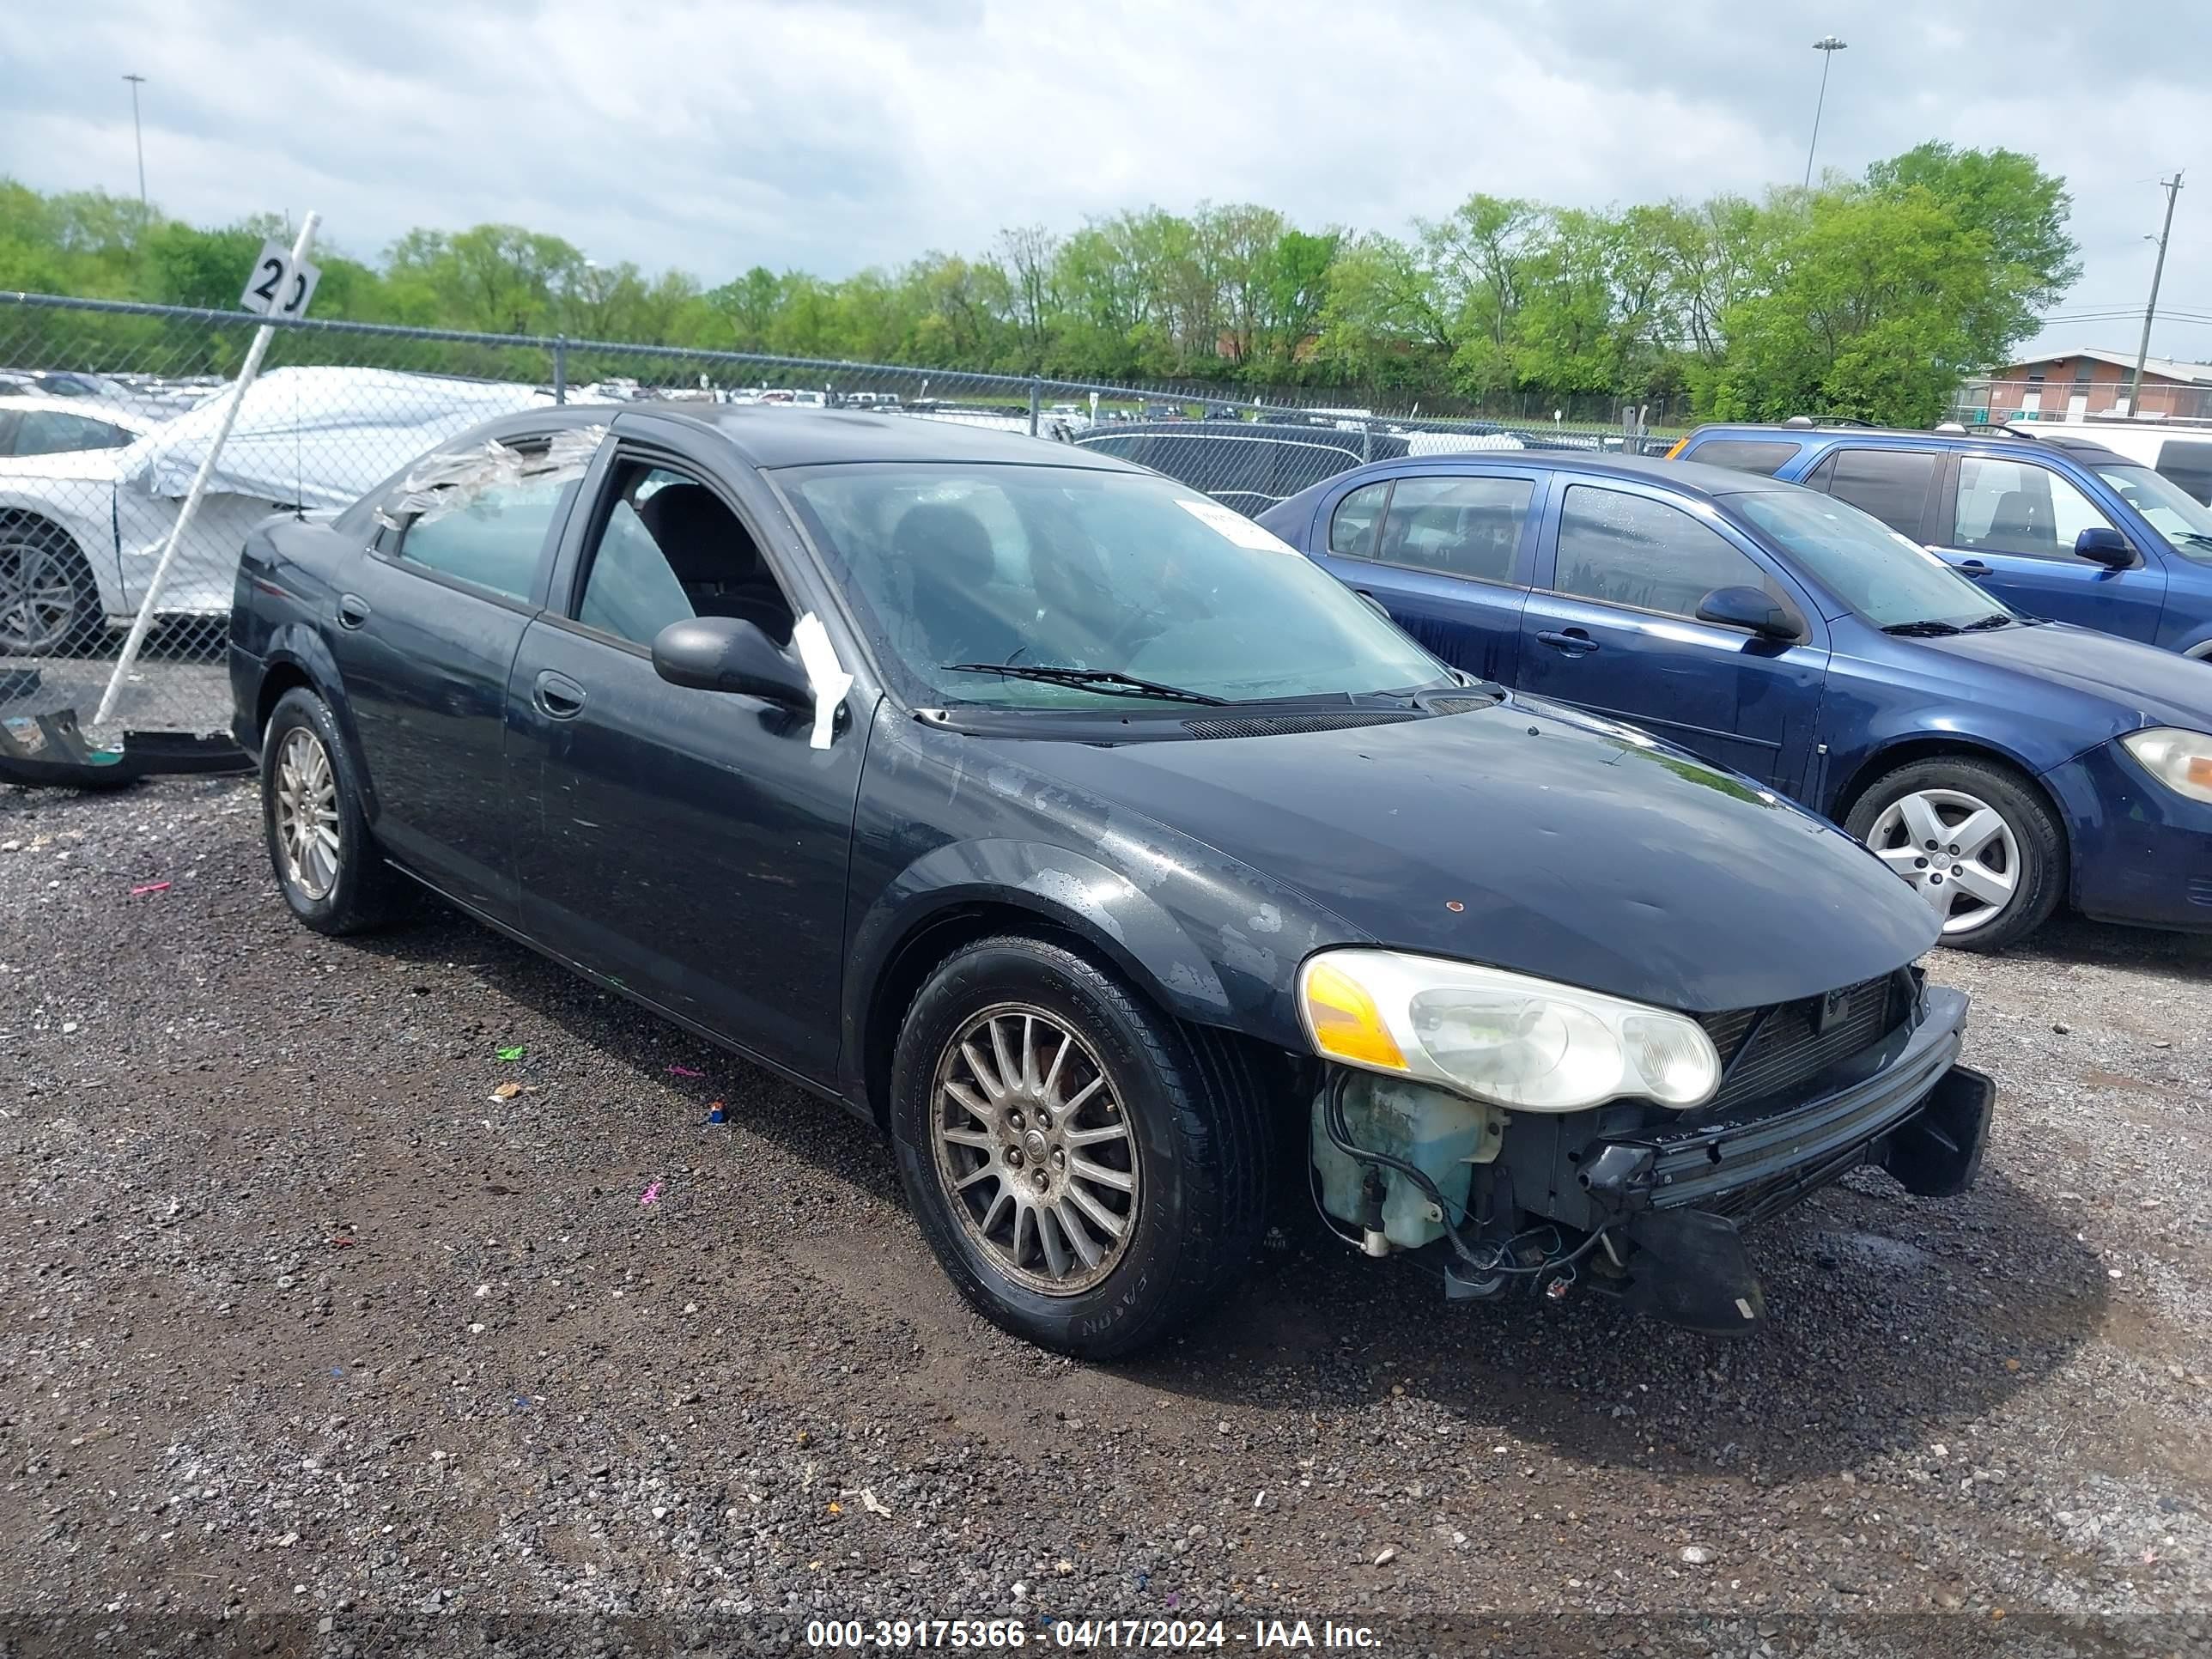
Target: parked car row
{"x":1072,"y":828}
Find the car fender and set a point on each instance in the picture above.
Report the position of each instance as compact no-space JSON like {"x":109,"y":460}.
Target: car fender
{"x":1063,"y":888}
{"x":297,"y":644}
{"x":1960,"y":730}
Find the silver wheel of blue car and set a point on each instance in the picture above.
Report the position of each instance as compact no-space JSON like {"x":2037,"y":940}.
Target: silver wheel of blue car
{"x":1958,"y":853}
{"x":1034,"y":1150}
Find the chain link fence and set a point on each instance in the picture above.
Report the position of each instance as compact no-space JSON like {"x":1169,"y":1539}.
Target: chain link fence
{"x":108,"y":409}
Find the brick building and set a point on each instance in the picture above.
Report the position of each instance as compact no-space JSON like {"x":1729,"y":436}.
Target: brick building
{"x":2087,"y":381}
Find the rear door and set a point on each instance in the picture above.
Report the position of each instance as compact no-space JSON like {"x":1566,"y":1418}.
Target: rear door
{"x":1448,"y":555}
{"x":1897,"y":486}
{"x":1612,"y":628}
{"x":2009,"y":521}
{"x":428,"y":618}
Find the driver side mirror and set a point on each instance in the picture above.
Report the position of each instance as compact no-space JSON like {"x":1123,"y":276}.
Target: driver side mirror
{"x":728,"y":653}
{"x":1753,"y":610}
{"x":2101,"y":544}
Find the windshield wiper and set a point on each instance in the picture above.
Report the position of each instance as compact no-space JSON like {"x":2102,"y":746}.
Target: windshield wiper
{"x":1108,"y":680}
{"x":1994,"y":619}
{"x":1927,"y":628}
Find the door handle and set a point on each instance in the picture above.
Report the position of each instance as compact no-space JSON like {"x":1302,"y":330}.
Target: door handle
{"x":557,"y":696}
{"x":1974,"y":568}
{"x":1572,"y":643}
{"x":352,"y":611}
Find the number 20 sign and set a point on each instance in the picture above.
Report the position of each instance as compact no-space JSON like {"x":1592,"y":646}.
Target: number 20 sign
{"x":278,"y":287}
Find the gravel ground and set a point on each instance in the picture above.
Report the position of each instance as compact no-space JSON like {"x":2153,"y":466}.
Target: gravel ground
{"x":305,"y":1332}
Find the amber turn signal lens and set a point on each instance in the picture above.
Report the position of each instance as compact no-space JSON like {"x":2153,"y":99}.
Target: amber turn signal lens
{"x":1345,"y":1021}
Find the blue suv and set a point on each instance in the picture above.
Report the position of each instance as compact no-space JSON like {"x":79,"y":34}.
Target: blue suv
{"x":2057,"y":526}
{"x":2000,"y":764}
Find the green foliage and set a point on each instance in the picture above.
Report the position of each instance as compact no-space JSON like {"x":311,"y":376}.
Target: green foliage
{"x":1869,"y":298}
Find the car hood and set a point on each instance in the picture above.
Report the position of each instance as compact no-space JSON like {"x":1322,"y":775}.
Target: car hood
{"x":2127,"y":686}
{"x":1530,"y":838}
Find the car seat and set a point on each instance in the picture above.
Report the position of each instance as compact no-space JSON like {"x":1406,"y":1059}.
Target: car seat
{"x":714,"y":558}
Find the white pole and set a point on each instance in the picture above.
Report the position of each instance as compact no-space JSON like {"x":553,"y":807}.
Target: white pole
{"x":259,"y":349}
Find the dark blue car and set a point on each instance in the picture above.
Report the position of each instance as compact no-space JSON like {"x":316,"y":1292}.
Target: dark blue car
{"x":2056,"y":526}
{"x":2001,"y":765}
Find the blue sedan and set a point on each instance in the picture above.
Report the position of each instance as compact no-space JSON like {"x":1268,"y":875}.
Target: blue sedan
{"x":2000,"y":764}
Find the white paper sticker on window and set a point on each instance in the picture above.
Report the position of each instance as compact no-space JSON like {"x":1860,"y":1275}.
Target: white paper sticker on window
{"x":1235,"y":526}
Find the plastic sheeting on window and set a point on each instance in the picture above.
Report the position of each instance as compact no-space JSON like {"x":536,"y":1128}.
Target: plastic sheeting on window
{"x":453,"y":478}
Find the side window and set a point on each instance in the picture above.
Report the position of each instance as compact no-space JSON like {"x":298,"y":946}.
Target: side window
{"x":1763,"y":456}
{"x":2018,"y":508}
{"x":1467,"y":527}
{"x":43,"y":433}
{"x":1352,"y":528}
{"x":668,"y":549}
{"x":1629,"y":550}
{"x":488,"y":537}
{"x":2189,"y":466}
{"x":1892,"y":485}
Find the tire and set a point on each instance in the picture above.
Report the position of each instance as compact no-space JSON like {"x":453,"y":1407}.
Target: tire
{"x":49,"y":602}
{"x":355,"y":890}
{"x":1176,"y":1113}
{"x":2026,"y":849}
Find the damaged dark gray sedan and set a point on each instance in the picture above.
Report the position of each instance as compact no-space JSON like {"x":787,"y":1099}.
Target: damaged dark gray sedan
{"x":1114,"y":860}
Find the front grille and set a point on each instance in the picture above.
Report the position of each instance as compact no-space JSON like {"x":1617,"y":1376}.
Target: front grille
{"x":1269,"y":725}
{"x":1765,"y":1051}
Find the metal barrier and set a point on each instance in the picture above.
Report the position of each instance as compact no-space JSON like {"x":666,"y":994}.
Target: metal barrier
{"x":108,"y":409}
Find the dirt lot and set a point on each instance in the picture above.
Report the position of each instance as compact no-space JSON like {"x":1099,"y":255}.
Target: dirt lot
{"x":302,"y":1329}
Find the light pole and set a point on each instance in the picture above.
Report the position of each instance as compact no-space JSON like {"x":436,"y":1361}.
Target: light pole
{"x":1827,"y":45}
{"x":139,"y":138}
{"x":2173,"y":188}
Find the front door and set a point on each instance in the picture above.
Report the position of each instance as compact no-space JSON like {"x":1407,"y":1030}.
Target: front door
{"x":1446,"y":555}
{"x":429,"y":617}
{"x":691,"y":845}
{"x":1612,"y":629}
{"x":2011,"y":525}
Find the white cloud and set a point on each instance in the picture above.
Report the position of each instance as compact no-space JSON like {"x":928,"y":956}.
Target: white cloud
{"x":714,"y":135}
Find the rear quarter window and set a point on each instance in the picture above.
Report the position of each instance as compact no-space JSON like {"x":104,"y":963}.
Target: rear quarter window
{"x":1763,"y":456}
{"x":2189,"y":466}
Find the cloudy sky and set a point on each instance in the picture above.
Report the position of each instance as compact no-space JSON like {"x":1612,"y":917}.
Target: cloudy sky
{"x":718,"y":134}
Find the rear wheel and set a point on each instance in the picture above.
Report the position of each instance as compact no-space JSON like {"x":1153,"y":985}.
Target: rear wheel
{"x":1974,"y":840}
{"x":1087,"y":1172}
{"x":327,"y":867}
{"x":49,"y":602}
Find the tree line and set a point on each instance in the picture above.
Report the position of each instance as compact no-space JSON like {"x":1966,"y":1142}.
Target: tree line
{"x":1868,"y":297}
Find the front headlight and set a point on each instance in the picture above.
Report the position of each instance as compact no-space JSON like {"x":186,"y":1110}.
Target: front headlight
{"x":2182,"y":761}
{"x":1502,"y":1037}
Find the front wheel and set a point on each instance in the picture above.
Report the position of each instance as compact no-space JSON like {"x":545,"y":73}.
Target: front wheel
{"x":49,"y":602}
{"x":1087,"y":1172}
{"x":1974,"y":840}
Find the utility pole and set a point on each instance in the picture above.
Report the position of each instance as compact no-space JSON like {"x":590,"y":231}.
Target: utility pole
{"x":139,"y":138}
{"x":2173,"y":188}
{"x":1827,"y":45}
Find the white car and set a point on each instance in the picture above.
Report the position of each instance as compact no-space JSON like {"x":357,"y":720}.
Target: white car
{"x":81,"y":530}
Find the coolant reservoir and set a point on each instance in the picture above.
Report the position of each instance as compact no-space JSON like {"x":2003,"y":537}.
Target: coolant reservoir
{"x":1438,"y":1133}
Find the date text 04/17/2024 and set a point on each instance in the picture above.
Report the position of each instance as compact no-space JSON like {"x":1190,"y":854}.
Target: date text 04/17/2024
{"x":1168,"y":1634}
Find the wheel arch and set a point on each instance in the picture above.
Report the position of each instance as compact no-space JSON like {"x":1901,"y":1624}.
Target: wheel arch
{"x":1908,"y":751}
{"x":966,"y":891}
{"x":298,"y":659}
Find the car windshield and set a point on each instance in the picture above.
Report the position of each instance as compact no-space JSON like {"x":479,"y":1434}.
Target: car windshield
{"x":1113,"y":584}
{"x":2172,"y":511}
{"x":1886,"y":580}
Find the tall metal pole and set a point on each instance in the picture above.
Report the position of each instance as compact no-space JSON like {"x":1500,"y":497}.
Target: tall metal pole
{"x":1827,"y":45}
{"x":2173,"y":188}
{"x":139,"y":138}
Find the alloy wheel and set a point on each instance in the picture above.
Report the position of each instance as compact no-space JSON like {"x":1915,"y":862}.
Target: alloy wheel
{"x":1035,"y":1153}
{"x":307,"y":813}
{"x":1956,"y":850}
{"x":38,"y":597}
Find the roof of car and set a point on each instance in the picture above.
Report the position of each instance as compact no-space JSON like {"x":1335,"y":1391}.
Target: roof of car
{"x":770,"y":436}
{"x":1889,"y":437}
{"x":93,"y":408}
{"x":1693,"y":477}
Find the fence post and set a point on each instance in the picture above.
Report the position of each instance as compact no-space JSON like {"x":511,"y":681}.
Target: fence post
{"x":1366,"y":441}
{"x":560,"y":368}
{"x":1037,"y":394}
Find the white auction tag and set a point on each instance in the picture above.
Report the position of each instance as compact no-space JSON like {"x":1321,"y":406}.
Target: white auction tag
{"x":1235,"y":526}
